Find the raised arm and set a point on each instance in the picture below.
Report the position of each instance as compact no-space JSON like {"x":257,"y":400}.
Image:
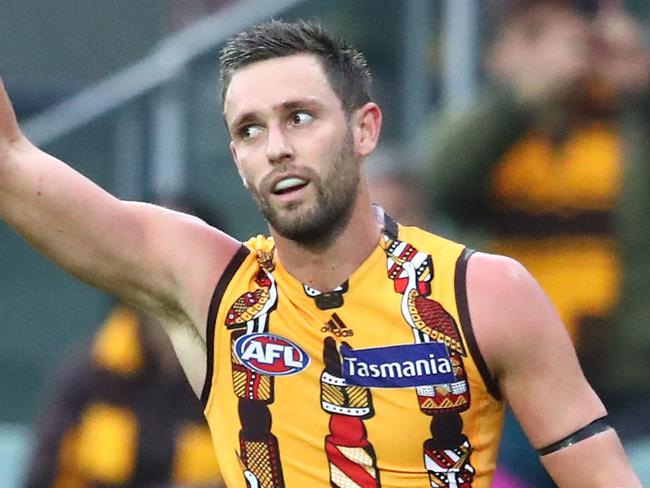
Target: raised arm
{"x":162,"y":261}
{"x":529,"y":352}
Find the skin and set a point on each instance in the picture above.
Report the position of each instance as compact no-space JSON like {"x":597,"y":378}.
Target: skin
{"x":619,"y":55}
{"x":534,"y":362}
{"x":280,"y":147}
{"x":548,"y":52}
{"x":296,"y":126}
{"x":542,"y":53}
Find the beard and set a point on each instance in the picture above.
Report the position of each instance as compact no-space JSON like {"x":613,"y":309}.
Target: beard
{"x":318,"y":223}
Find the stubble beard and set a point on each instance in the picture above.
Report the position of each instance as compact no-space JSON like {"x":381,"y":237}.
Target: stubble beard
{"x":320,"y":222}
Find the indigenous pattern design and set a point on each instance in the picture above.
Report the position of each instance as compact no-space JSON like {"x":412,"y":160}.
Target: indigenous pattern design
{"x":351,"y":457}
{"x":447,"y":451}
{"x":259,"y":450}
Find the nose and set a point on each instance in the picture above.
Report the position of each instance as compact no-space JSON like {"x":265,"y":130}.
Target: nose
{"x":278,"y":147}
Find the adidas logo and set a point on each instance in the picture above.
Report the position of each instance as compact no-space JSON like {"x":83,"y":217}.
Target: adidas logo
{"x":337,"y":327}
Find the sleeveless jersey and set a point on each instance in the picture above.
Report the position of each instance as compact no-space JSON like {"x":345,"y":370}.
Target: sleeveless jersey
{"x":378,"y":383}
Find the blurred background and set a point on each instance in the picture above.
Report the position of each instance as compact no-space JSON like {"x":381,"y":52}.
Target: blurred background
{"x":127,"y":93}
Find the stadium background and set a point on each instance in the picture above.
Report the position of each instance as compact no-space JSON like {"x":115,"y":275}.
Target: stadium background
{"x":126,"y":92}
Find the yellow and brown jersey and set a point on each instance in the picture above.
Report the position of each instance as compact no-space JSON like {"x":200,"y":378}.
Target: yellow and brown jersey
{"x":376,"y":383}
{"x":553,"y":204}
{"x":117,"y":419}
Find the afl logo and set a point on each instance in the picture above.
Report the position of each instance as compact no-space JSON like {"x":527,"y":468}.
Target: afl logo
{"x":270,"y":354}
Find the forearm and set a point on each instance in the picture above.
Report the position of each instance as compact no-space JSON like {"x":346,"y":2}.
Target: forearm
{"x":596,"y":462}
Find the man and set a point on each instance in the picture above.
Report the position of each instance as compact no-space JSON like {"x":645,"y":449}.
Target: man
{"x":340,"y":352}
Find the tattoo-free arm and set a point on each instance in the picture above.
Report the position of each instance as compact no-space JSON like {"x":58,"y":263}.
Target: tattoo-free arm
{"x":162,"y":261}
{"x":529,"y":351}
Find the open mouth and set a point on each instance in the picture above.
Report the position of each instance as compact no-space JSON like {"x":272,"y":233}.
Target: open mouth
{"x":288,"y":185}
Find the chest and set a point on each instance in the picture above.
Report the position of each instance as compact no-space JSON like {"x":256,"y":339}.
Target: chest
{"x":373,"y":380}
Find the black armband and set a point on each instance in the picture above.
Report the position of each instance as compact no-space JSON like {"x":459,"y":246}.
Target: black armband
{"x":596,"y":427}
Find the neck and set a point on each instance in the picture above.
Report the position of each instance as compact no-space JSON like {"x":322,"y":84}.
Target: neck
{"x":325,"y":268}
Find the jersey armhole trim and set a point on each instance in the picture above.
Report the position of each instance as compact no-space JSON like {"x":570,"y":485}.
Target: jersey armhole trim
{"x":219,"y":291}
{"x":466,"y":323}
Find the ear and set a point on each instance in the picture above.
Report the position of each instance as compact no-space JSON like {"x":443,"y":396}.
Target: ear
{"x":366,"y":127}
{"x":233,"y":151}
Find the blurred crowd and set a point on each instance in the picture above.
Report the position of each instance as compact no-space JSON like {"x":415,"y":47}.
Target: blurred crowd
{"x":550,"y":165}
{"x":120,"y":413}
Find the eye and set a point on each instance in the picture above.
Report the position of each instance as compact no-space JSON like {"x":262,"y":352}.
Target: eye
{"x":301,"y":118}
{"x":249,"y":131}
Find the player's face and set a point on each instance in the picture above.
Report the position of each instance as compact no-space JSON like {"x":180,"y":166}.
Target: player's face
{"x":293,"y":146}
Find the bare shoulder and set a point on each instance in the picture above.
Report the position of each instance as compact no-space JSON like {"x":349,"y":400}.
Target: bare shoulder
{"x":179,"y":236}
{"x":528,"y":350}
{"x":164,"y":219}
{"x":493,"y":270}
{"x":510,"y":312}
{"x":502,"y":286}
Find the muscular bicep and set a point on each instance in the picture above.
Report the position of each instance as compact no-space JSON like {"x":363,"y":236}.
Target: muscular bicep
{"x":159,"y":260}
{"x":528,"y":350}
{"x":155,"y":259}
{"x":71,"y":220}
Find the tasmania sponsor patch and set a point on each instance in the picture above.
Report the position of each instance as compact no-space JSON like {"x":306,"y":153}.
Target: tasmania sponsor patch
{"x":398,"y":366}
{"x":270,"y":354}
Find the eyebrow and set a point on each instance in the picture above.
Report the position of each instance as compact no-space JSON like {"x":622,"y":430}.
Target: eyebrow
{"x":295,"y":104}
{"x":285,"y":106}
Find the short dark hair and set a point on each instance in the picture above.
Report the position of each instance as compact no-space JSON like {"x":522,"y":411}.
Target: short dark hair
{"x":345,"y":67}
